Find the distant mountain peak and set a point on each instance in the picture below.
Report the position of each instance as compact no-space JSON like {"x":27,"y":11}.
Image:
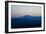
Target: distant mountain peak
{"x":27,"y":15}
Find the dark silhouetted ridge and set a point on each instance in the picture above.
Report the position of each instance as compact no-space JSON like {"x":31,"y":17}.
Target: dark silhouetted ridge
{"x":26,"y":21}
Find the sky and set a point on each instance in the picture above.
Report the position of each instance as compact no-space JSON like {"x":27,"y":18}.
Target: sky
{"x":21,"y":10}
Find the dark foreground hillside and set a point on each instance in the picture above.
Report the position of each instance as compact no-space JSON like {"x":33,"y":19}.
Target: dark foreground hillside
{"x":26,"y":22}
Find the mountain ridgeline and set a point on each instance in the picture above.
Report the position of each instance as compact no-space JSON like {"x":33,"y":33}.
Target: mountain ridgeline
{"x":26,"y":21}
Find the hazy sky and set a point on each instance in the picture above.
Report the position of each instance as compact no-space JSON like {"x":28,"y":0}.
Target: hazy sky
{"x":19,"y":10}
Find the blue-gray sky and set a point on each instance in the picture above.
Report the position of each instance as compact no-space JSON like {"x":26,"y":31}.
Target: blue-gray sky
{"x":19,"y":10}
